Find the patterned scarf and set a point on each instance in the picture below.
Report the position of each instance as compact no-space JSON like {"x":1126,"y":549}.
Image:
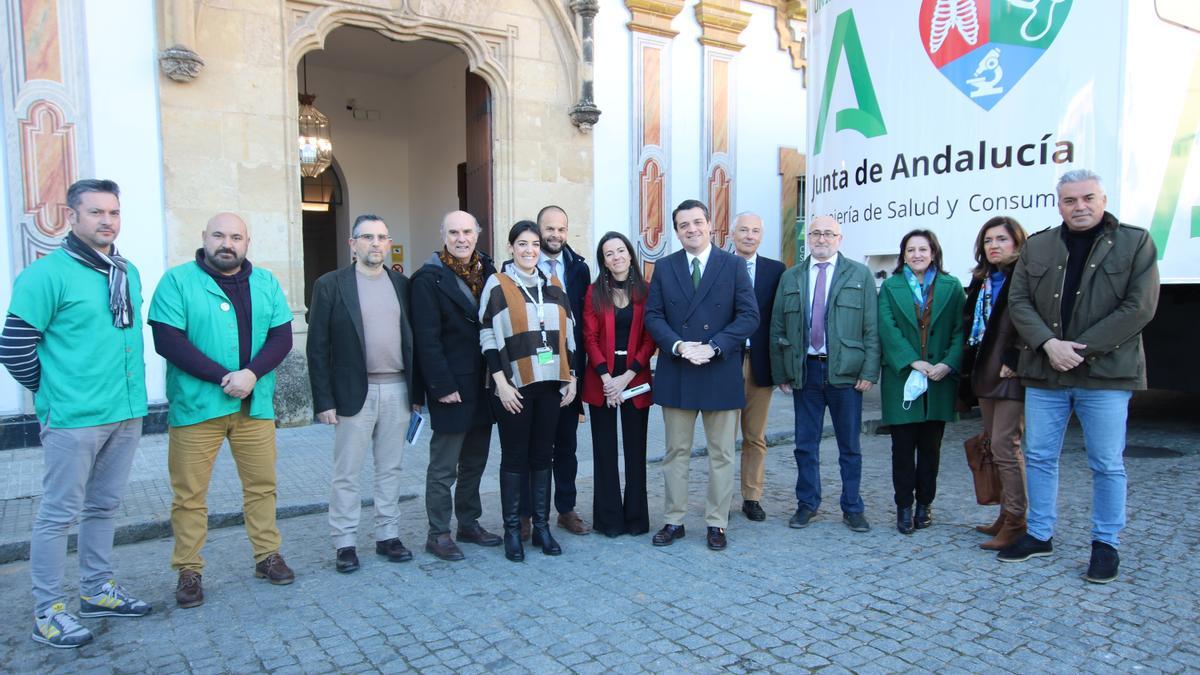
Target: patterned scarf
{"x":992,"y":284}
{"x":112,"y":265}
{"x":471,"y":271}
{"x":922,"y":291}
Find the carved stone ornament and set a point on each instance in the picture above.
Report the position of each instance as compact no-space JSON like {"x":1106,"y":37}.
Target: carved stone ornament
{"x":180,"y":63}
{"x":585,"y":115}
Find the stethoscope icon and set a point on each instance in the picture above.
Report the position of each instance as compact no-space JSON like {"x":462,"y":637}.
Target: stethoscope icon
{"x":1032,"y":6}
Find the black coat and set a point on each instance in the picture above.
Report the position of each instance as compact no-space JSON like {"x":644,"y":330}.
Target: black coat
{"x":447,"y":341}
{"x":767,"y":273}
{"x":337,"y":365}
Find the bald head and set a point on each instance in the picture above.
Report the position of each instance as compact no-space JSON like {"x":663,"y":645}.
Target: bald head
{"x":225,"y":242}
{"x":747,"y":234}
{"x":824,"y":237}
{"x":460,"y":232}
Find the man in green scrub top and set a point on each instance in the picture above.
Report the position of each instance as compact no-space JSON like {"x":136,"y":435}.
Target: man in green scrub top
{"x":223,"y":326}
{"x":73,"y":336}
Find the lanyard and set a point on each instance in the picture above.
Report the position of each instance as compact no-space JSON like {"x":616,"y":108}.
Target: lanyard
{"x":541,"y":310}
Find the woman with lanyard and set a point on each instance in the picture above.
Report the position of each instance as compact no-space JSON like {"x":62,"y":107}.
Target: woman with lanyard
{"x":619,"y":348}
{"x":920,"y":314}
{"x":989,"y":370}
{"x":527,"y":337}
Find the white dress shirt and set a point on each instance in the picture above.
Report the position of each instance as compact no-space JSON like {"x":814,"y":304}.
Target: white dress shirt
{"x":560,"y":264}
{"x":813,"y":271}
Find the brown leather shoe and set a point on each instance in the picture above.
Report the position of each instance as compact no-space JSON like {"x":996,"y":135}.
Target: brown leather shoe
{"x":1008,"y":535}
{"x":571,"y":522}
{"x":991,"y":530}
{"x":475,"y":534}
{"x":667,"y":535}
{"x":443,"y":547}
{"x":274,"y":570}
{"x":526,"y":527}
{"x":716,"y":538}
{"x":189,"y":592}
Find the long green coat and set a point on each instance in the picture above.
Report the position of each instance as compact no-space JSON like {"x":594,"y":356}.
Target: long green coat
{"x":901,"y":341}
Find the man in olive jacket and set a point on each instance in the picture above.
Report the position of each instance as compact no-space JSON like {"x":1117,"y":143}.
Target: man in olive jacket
{"x":826,"y":358}
{"x":1081,"y":294}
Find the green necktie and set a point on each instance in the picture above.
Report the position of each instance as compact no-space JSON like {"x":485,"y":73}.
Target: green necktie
{"x":695,"y":273}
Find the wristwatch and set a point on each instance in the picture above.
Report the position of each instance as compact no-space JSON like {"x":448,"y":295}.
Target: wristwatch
{"x":715,"y":348}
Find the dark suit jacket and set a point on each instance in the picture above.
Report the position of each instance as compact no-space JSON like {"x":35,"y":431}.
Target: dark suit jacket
{"x":722,"y":311}
{"x":579,"y":277}
{"x":447,"y":343}
{"x":766,"y":281}
{"x":337,"y":365}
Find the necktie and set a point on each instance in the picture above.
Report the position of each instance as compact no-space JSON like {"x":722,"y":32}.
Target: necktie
{"x":553,"y":268}
{"x":695,"y":273}
{"x":750,"y":270}
{"x":818,"y":310}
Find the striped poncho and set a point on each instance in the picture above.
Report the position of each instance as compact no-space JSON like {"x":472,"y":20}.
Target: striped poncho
{"x":510,"y":337}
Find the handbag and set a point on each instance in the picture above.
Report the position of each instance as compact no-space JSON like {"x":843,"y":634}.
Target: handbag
{"x":983,"y":468}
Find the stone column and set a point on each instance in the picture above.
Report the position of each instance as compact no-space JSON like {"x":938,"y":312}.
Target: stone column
{"x":585,"y":113}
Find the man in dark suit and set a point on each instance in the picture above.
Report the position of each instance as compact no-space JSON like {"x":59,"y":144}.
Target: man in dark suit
{"x":558,"y":261}
{"x":445,"y":295}
{"x":756,"y":365}
{"x":360,"y":364}
{"x":701,"y":311}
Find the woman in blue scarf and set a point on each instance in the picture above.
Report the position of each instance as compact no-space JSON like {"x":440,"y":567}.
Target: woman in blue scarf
{"x":920,"y":314}
{"x":990,"y":364}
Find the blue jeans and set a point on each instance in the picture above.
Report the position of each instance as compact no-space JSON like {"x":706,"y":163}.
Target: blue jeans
{"x":1102,"y":414}
{"x":845,"y":409}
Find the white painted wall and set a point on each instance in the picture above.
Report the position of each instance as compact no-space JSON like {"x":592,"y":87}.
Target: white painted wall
{"x":613,"y":150}
{"x":687,"y":107}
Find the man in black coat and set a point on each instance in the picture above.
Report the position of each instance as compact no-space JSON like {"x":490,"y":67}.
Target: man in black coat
{"x":360,"y":365}
{"x":445,"y":295}
{"x":570,"y":268}
{"x":756,"y":364}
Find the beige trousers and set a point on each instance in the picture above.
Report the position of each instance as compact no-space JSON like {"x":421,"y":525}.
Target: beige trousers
{"x":1005,"y":422}
{"x":754,"y":434}
{"x":720,"y":427}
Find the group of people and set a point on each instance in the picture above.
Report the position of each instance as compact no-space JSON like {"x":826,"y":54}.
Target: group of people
{"x":1049,"y":326}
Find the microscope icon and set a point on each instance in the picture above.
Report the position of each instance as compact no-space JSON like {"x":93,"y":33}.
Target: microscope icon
{"x":987,"y":75}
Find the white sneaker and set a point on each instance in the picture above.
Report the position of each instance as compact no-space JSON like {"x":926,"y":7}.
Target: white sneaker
{"x":112,"y":600}
{"x":59,"y":628}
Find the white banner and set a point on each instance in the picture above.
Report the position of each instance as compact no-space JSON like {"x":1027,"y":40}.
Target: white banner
{"x":941,"y":114}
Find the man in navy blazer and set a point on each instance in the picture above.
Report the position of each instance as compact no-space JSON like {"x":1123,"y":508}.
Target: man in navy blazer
{"x":756,"y":367}
{"x":701,"y":311}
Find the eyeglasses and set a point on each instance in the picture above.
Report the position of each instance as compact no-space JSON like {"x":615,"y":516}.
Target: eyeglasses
{"x":373,"y":237}
{"x":823,"y":234}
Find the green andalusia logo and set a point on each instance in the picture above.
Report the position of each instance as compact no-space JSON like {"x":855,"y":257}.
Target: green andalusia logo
{"x":985,"y":47}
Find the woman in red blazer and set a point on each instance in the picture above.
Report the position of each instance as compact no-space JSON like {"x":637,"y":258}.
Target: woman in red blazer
{"x":619,"y":349}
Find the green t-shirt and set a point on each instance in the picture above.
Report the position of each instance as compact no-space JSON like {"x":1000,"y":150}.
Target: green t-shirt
{"x":189,"y":299}
{"x":93,"y":373}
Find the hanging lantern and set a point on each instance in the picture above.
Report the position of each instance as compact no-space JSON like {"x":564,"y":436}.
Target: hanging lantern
{"x":316,"y":148}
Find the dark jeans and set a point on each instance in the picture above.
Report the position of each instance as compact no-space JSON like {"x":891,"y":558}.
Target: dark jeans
{"x":845,"y":410}
{"x":565,"y":464}
{"x":461,"y":457}
{"x":609,"y":513}
{"x":925,"y":438}
{"x":527,"y":438}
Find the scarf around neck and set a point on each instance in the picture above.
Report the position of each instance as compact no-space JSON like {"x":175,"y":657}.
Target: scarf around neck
{"x":112,"y":265}
{"x":471,"y":271}
{"x":923,"y":290}
{"x":992,"y":283}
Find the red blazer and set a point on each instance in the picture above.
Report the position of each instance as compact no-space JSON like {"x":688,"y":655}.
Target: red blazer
{"x":599,"y":337}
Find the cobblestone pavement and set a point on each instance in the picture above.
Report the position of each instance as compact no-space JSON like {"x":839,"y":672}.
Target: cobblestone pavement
{"x":778,"y":599}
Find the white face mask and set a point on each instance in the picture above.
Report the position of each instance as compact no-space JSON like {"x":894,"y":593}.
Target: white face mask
{"x":915,"y":386}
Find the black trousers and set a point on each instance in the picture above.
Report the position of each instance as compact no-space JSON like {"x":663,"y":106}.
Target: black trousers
{"x":565,"y":463}
{"x":611,"y":514}
{"x":527,"y":437}
{"x":916,"y":474}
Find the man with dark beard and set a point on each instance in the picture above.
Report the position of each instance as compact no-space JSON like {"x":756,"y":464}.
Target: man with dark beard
{"x":223,"y":326}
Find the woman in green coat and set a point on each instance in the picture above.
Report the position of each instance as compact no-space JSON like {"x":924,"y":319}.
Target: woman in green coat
{"x":920,"y":330}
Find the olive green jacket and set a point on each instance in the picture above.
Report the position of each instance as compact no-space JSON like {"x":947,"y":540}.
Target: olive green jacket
{"x":901,"y":340}
{"x":851,"y":332}
{"x":1118,"y":294}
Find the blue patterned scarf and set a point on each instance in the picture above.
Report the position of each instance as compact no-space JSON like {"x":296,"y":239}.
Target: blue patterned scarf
{"x":923,"y":290}
{"x":992,"y":284}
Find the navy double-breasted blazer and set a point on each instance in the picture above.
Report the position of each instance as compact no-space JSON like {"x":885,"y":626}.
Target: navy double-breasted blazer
{"x":722,"y":310}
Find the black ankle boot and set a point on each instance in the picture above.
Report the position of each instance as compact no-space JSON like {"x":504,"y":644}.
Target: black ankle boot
{"x":541,"y":513}
{"x":923,"y":517}
{"x":510,"y":503}
{"x":904,"y":519}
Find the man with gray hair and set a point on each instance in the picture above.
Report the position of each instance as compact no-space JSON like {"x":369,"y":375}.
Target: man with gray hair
{"x":445,"y":294}
{"x":1081,"y":294}
{"x":73,"y":337}
{"x":360,"y":365}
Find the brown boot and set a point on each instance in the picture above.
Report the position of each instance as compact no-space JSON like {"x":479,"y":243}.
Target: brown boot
{"x":189,"y":592}
{"x":991,"y":530}
{"x":526,"y":527}
{"x":1014,"y":529}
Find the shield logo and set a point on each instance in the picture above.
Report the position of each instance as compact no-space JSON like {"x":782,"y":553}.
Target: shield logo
{"x":985,"y":47}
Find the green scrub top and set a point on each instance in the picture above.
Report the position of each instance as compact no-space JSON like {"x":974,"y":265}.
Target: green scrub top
{"x":93,"y":373}
{"x":189,"y":299}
